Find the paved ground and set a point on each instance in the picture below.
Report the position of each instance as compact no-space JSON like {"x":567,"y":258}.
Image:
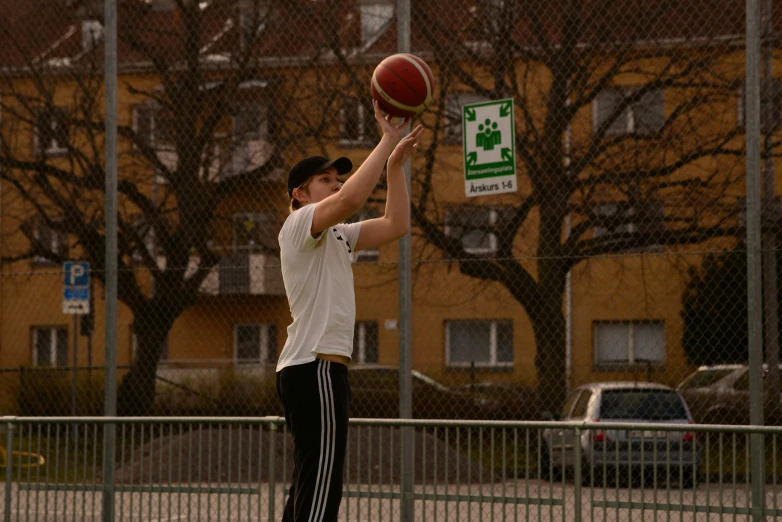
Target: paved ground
{"x":708,"y":501}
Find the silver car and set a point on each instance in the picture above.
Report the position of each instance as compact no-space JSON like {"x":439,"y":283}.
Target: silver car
{"x":673,"y":452}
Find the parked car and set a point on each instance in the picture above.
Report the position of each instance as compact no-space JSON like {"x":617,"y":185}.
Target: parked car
{"x":502,"y":400}
{"x":612,"y":450}
{"x":719,"y":394}
{"x":375,"y":390}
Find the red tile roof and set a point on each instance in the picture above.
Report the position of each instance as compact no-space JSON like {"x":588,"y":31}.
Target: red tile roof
{"x":49,"y":31}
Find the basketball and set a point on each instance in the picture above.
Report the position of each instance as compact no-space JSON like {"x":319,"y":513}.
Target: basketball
{"x":403,"y":85}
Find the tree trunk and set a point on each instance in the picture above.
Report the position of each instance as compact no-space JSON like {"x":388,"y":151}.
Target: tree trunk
{"x":549,"y":327}
{"x":136,"y":394}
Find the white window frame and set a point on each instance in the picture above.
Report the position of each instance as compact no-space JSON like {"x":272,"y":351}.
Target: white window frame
{"x":493,"y":216}
{"x":148,"y":239}
{"x":631,"y":359}
{"x":375,"y":19}
{"x":363,"y":121}
{"x":360,"y":348}
{"x":368,"y":254}
{"x":493,"y":362}
{"x":630,"y":226}
{"x":54,"y":147}
{"x":265,"y":338}
{"x":263,"y":218}
{"x":628,"y":114}
{"x":91,"y":33}
{"x":53,"y":348}
{"x":58,"y":241}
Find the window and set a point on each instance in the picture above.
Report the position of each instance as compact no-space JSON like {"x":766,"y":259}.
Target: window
{"x":369,"y":254}
{"x":567,"y":407}
{"x":255,"y":232}
{"x":642,"y":404}
{"x":91,"y":33}
{"x":375,"y":17}
{"x":152,"y":124}
{"x":705,"y":378}
{"x":251,"y":144}
{"x":646,"y":116}
{"x":51,"y":132}
{"x":632,"y":342}
{"x":143,"y":238}
{"x":252,"y":20}
{"x":452,"y":126}
{"x":644,"y":219}
{"x":50,"y":243}
{"x":475,"y":226}
{"x":365,"y":348}
{"x":580,"y":409}
{"x":484,"y":343}
{"x":50,"y":346}
{"x":770,"y":110}
{"x":357,"y":124}
{"x":255,"y":343}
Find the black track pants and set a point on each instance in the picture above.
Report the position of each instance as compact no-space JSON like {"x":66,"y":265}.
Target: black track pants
{"x":316,"y":400}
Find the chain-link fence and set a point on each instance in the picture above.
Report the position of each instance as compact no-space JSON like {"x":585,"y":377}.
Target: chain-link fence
{"x":617,"y":255}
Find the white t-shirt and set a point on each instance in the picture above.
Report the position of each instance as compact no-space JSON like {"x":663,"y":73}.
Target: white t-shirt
{"x":318,"y":277}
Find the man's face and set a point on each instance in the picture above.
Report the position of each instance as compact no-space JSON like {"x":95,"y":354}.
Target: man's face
{"x":321,"y":186}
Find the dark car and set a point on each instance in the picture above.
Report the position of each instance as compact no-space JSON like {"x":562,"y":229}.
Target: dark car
{"x":719,"y":394}
{"x":375,"y":390}
{"x":504,"y":400}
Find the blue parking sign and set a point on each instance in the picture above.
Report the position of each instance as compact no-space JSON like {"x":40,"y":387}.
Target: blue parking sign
{"x":76,"y":287}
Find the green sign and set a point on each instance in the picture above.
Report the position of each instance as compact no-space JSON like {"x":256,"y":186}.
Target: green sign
{"x":489,"y":148}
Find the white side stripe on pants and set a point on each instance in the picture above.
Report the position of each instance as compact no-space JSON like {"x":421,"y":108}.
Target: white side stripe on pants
{"x":327,"y":443}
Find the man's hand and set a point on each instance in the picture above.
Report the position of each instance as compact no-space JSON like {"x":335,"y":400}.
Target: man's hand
{"x":405,"y":148}
{"x":386,"y":122}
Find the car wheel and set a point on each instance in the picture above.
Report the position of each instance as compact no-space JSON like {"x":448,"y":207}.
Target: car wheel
{"x":591,"y":475}
{"x":547,"y":470}
{"x":689,"y":477}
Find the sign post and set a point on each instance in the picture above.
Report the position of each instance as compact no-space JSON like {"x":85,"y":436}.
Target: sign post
{"x":489,"y":144}
{"x":75,"y":301}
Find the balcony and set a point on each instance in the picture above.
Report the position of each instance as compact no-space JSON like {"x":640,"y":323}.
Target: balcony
{"x":241,"y":274}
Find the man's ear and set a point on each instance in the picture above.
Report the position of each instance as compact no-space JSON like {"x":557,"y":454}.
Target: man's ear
{"x":300,"y":195}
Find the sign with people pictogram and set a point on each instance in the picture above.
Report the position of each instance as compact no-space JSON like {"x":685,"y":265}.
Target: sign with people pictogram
{"x":489,"y":148}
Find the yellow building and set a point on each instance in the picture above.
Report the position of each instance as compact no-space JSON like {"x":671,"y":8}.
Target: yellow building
{"x":206,"y":140}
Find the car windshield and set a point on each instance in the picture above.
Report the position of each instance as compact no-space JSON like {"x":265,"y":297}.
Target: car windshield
{"x":642,"y":404}
{"x":705,"y":378}
{"x":428,"y":380}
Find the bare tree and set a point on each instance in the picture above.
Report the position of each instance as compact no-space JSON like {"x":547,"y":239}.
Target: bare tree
{"x":623,"y":136}
{"x":207,"y":126}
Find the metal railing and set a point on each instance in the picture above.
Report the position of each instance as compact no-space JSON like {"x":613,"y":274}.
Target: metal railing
{"x":239,"y":468}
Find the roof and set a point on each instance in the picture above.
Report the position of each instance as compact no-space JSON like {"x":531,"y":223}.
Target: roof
{"x":713,"y":367}
{"x":50,"y":31}
{"x":620,"y":385}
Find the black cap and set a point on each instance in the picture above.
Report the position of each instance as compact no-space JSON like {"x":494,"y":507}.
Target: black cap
{"x":308,"y":167}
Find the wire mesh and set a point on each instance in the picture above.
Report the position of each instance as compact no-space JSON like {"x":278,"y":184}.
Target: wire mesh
{"x":616,"y":254}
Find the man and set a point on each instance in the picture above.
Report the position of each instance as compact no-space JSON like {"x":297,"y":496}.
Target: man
{"x":317,"y":250}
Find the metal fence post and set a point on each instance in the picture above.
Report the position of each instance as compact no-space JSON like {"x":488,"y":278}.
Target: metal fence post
{"x":110,"y":385}
{"x":405,"y":314}
{"x":8,"y":470}
{"x":754,"y":265}
{"x":577,"y":473}
{"x":272,"y":477}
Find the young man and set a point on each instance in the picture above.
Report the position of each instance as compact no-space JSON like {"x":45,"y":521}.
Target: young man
{"x":317,"y":250}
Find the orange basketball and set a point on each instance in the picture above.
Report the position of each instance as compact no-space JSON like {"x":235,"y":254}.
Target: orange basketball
{"x":403,"y":85}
